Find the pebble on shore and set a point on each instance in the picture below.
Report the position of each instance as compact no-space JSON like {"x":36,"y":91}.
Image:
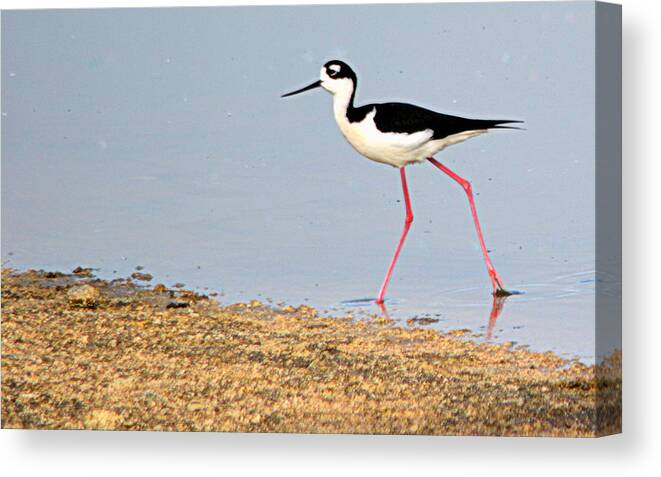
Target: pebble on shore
{"x":85,"y":296}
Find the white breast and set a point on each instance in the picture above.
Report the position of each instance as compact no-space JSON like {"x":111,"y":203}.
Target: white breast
{"x":396,"y":149}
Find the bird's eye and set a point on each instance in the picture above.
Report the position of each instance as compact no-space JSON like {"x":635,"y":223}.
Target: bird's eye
{"x":333,"y":70}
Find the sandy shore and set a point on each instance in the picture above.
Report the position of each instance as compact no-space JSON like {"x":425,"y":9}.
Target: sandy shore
{"x":84,"y":353}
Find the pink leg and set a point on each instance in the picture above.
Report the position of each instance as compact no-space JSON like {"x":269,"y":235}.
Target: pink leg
{"x":407,"y":225}
{"x":496,"y":281}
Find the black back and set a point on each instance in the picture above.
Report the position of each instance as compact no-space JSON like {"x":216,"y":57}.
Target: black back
{"x":407,"y":118}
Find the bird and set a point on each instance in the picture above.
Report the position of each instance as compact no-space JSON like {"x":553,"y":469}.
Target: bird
{"x":399,"y":135}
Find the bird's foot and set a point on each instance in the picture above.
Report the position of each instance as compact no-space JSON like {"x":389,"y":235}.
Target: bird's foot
{"x":501,"y":292}
{"x":497,"y":283}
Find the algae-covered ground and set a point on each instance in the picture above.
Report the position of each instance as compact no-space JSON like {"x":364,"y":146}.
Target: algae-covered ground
{"x":83,"y":353}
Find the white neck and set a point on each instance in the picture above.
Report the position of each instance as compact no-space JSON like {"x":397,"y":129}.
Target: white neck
{"x":341,"y":100}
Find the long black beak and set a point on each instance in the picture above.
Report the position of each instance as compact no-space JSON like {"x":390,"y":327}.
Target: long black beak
{"x":316,"y":84}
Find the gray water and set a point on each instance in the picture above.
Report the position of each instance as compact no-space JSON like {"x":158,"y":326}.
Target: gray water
{"x":156,"y":137}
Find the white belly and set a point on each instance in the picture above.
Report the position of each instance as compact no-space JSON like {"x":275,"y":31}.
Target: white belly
{"x":395,"y":149}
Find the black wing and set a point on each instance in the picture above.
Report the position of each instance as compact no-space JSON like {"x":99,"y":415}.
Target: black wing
{"x":407,"y":118}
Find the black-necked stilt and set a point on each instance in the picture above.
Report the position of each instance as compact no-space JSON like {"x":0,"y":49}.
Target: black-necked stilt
{"x":400,"y":134}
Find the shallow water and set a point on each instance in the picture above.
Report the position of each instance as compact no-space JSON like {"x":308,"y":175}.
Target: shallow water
{"x":168,"y":147}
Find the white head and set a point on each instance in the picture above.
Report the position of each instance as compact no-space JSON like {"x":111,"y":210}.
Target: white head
{"x":336,"y":77}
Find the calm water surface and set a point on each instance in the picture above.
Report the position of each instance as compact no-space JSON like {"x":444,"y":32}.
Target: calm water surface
{"x":157,"y":138}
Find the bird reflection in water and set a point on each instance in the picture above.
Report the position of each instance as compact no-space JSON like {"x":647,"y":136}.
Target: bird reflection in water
{"x":496,"y":309}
